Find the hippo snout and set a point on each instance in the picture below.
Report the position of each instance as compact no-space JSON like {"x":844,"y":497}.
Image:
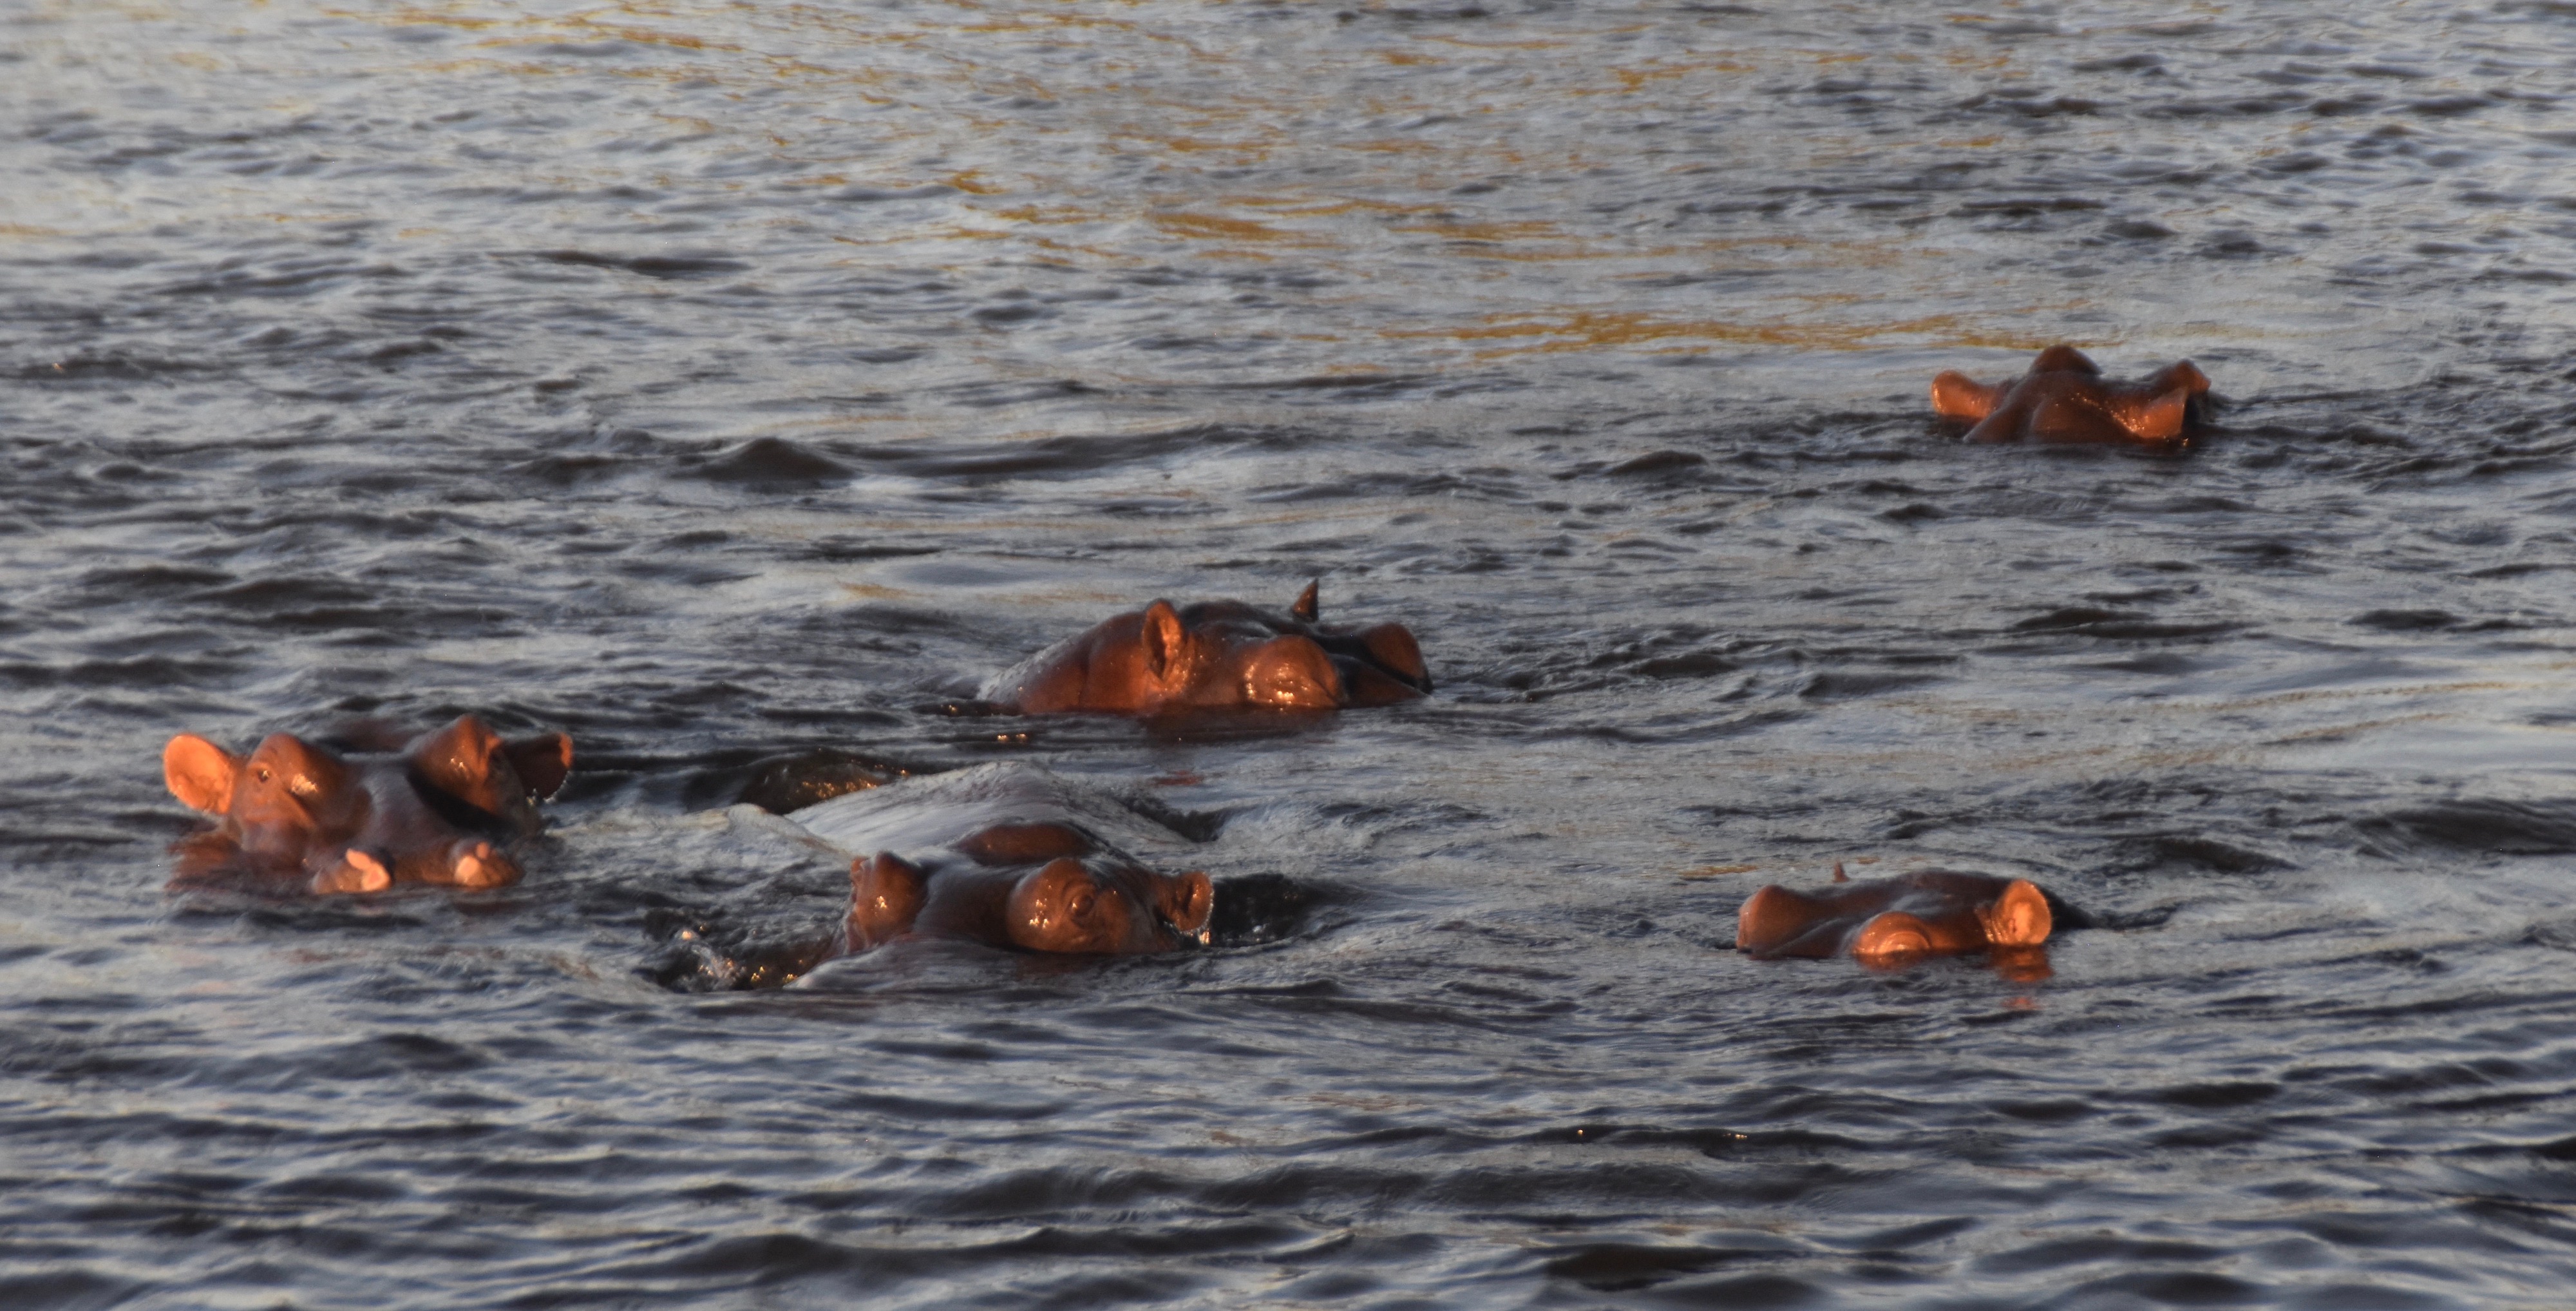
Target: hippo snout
{"x":1063,"y":907}
{"x":1291,"y":673}
{"x":476,"y":863}
{"x":1070,"y":907}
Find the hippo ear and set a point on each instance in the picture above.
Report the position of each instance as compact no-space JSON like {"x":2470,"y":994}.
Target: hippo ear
{"x":1166,"y":643}
{"x":886,"y":895}
{"x":1306,"y":609}
{"x":200,"y":774}
{"x":1188,"y":900}
{"x":542,"y":762}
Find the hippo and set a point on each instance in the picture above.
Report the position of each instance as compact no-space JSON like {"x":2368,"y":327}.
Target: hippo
{"x":1215,"y":655}
{"x":367,"y":809}
{"x":1008,"y":855}
{"x":2064,"y":398}
{"x":1893,"y":920}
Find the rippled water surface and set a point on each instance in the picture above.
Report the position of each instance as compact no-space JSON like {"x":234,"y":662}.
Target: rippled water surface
{"x":716,"y":382}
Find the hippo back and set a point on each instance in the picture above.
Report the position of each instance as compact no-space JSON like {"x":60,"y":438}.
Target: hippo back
{"x":939,"y":810}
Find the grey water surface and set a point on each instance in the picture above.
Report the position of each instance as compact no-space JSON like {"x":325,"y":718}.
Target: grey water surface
{"x":718,"y":382}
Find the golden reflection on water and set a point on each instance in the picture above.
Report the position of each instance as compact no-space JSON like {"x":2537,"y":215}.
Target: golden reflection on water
{"x":1352,"y":151}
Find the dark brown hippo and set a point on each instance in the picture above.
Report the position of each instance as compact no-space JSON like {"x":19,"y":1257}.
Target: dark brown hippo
{"x":368,"y":810}
{"x":2064,"y":398}
{"x":1008,"y":855}
{"x":1215,"y":655}
{"x":1893,"y":920}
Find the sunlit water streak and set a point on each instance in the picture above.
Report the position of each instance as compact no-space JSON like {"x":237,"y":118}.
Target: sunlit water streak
{"x":714,"y":382}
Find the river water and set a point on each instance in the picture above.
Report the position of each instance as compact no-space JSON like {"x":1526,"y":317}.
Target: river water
{"x":716,"y":381}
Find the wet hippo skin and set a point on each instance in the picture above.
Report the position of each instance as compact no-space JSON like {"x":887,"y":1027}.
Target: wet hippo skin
{"x":1216,"y":655}
{"x":367,"y":810}
{"x":1008,"y":855}
{"x":2064,"y":398}
{"x":1892,"y":920}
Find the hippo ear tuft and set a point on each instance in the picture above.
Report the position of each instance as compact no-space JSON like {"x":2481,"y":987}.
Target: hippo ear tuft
{"x":542,"y":762}
{"x":200,"y":774}
{"x":1165,"y":642}
{"x":1306,"y":609}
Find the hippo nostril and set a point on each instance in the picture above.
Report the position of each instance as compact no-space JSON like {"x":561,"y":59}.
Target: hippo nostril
{"x":480,"y":866}
{"x":357,"y":871}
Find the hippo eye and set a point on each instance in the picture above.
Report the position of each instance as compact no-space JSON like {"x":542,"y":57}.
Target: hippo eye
{"x":1081,"y":907}
{"x":263,"y":773}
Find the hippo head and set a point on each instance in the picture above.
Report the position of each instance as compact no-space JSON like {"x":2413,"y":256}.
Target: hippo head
{"x":1217,"y":655}
{"x":440,"y":809}
{"x":1070,"y":905}
{"x":1051,"y":886}
{"x":2065,"y":398}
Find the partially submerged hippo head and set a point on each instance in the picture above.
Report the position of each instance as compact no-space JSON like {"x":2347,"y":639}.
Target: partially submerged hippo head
{"x":2064,"y":398}
{"x":1040,"y":886}
{"x":1895,"y":920}
{"x":440,"y":808}
{"x":1215,"y":655}
{"x":1011,"y":855}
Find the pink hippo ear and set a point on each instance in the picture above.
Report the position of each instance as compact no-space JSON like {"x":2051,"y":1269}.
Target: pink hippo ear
{"x":200,"y":774}
{"x":1166,"y":646}
{"x":1961,"y":399}
{"x":542,"y":762}
{"x":1307,"y":609}
{"x":886,"y":895}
